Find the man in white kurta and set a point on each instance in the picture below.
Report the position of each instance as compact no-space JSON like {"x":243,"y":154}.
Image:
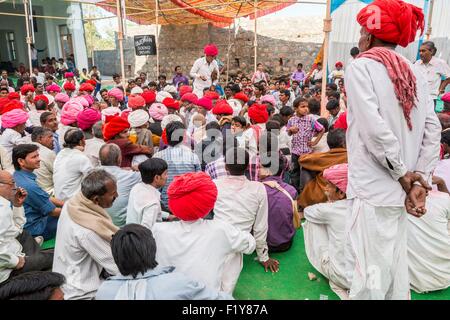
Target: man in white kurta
{"x":202,"y":70}
{"x":195,"y":246}
{"x":429,"y":245}
{"x":243,"y":203}
{"x":382,"y":152}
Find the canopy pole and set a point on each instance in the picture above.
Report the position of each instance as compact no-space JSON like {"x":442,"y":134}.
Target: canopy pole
{"x":28,"y":37}
{"x":327,"y":29}
{"x":430,"y":20}
{"x":256,"y":36}
{"x":120,"y":38}
{"x":228,"y":53}
{"x":157,"y":37}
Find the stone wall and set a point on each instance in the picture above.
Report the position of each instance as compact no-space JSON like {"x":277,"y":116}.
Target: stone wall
{"x":183,"y":45}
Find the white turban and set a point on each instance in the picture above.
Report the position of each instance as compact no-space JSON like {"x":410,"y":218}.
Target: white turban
{"x":137,"y":90}
{"x":160,"y":96}
{"x":138,"y":118}
{"x":168,"y":119}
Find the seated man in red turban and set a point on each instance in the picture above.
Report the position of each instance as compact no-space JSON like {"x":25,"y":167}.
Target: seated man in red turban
{"x":393,"y":147}
{"x":195,"y":246}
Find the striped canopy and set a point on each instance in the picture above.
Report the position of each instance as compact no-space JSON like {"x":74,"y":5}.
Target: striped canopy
{"x":183,"y":12}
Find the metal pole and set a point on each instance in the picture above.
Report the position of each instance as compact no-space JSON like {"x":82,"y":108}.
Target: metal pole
{"x":120,"y":38}
{"x":228,"y":53}
{"x":256,"y":35}
{"x":157,"y":37}
{"x":430,"y":20}
{"x":327,"y":29}
{"x":28,"y":37}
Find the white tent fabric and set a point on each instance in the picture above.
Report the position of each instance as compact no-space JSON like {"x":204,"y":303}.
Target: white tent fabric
{"x":345,"y":32}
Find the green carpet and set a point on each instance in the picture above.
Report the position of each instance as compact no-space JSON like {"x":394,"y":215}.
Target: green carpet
{"x":292,"y":282}
{"x":49,"y":244}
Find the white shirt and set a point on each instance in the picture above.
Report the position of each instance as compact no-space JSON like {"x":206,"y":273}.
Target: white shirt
{"x":243,"y":203}
{"x":45,"y":172}
{"x":429,"y":245}
{"x":5,"y":161}
{"x":61,"y":132}
{"x":92,"y":150}
{"x":80,"y":256}
{"x":11,"y":226}
{"x":35,"y":117}
{"x":236,"y":105}
{"x":209,"y":118}
{"x":11,"y":138}
{"x":199,"y":248}
{"x":202,"y":68}
{"x":69,"y":168}
{"x":40,"y":77}
{"x":433,"y":71}
{"x":144,"y":205}
{"x":381,"y":148}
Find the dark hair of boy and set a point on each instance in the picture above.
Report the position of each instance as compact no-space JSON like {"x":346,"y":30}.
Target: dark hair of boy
{"x":237,"y":161}
{"x":151,"y":168}
{"x":175,"y":133}
{"x":314,"y":106}
{"x":297,"y":102}
{"x":134,"y":250}
{"x":324,"y":123}
{"x":286,"y":111}
{"x":336,"y":138}
{"x":332,"y":104}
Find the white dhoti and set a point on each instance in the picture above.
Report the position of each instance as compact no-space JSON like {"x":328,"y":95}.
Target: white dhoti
{"x":316,"y":247}
{"x":376,"y":252}
{"x":231,"y":270}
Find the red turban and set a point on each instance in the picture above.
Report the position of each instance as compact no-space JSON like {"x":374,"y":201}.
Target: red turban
{"x":171,"y":103}
{"x":258,"y":113}
{"x":341,"y":122}
{"x":192,"y":196}
{"x":86,"y":87}
{"x":69,"y":86}
{"x":136,"y":101}
{"x":26,"y":88}
{"x":399,"y":21}
{"x":149,"y":96}
{"x":11,"y":105}
{"x":3,"y":102}
{"x":222,"y":107}
{"x":211,"y":50}
{"x":205,"y":103}
{"x":212,"y":95}
{"x":190,"y":97}
{"x":92,"y":82}
{"x":339,"y":64}
{"x":41,"y":97}
{"x":114,"y":126}
{"x":241,"y":96}
{"x":185,"y":89}
{"x":13,"y":96}
{"x":87,"y":118}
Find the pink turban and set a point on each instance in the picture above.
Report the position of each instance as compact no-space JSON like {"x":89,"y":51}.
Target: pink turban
{"x":211,"y":50}
{"x":158,"y":111}
{"x":269,"y":98}
{"x":192,"y":196}
{"x":53,"y":88}
{"x":446,"y":97}
{"x":70,"y":111}
{"x":337,"y":175}
{"x":62,"y":97}
{"x":82,"y":100}
{"x":14,"y":118}
{"x":87,"y":118}
{"x":68,"y":75}
{"x":116,"y":93}
{"x":89,"y":99}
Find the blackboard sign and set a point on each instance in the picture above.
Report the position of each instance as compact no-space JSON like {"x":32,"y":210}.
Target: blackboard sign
{"x":145,"y":45}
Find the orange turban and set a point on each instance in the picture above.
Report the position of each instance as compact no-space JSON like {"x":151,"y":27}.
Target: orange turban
{"x":192,"y":196}
{"x":86,"y":87}
{"x":399,"y":21}
{"x":136,"y":101}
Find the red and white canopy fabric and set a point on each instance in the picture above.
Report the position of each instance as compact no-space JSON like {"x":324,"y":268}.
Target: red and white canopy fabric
{"x":221,"y":13}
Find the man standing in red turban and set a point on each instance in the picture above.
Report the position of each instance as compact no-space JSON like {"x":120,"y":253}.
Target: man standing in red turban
{"x":393,"y":147}
{"x":205,"y":70}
